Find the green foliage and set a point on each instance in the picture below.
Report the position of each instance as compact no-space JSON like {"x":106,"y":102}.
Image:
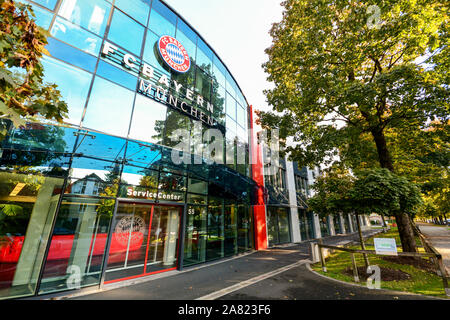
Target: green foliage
{"x":336,"y":79}
{"x":22,"y":91}
{"x":371,"y":191}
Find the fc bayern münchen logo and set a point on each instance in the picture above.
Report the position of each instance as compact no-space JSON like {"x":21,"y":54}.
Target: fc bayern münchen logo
{"x":174,"y":54}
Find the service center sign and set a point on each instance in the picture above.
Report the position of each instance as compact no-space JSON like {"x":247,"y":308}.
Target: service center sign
{"x":174,"y":54}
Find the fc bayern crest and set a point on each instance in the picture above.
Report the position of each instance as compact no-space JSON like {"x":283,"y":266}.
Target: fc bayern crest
{"x":174,"y":54}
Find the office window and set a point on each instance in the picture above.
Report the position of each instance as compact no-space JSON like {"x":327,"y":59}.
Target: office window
{"x":126,"y":32}
{"x":90,"y":14}
{"x":138,"y":9}
{"x":76,"y":36}
{"x":73,"y":84}
{"x":159,"y":25}
{"x":149,"y":119}
{"x":109,"y":108}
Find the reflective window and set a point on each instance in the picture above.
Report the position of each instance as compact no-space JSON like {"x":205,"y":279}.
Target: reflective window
{"x":144,"y":155}
{"x":219,"y":72}
{"x":231,"y":107}
{"x":159,"y":25}
{"x":117,"y":75}
{"x":188,"y":44}
{"x":164,"y":11}
{"x":240,"y":117}
{"x":76,"y":36}
{"x":126,"y":32}
{"x":203,"y":85}
{"x":175,"y":121}
{"x":50,"y":4}
{"x":198,"y":186}
{"x":204,"y":56}
{"x":109,"y":108}
{"x":43,"y":17}
{"x":215,"y":239}
{"x":27,"y":208}
{"x":151,"y":51}
{"x":138,"y":9}
{"x":170,"y":181}
{"x":195,"y":236}
{"x":74,"y":56}
{"x":73,"y":84}
{"x":90,"y":14}
{"x":148,"y":120}
{"x":218,"y":101}
{"x":101,"y":146}
{"x":78,"y":244}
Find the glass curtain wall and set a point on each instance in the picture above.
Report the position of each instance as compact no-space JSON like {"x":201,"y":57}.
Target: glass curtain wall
{"x":61,"y":183}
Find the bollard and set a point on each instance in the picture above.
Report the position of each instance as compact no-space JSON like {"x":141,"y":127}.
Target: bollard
{"x":355,"y":269}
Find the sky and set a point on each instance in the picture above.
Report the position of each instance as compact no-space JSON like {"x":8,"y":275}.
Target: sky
{"x":238,"y":30}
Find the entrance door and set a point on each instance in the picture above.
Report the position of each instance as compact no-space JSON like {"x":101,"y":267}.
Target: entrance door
{"x":144,"y":241}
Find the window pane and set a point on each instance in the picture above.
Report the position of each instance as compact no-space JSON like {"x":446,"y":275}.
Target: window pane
{"x":159,"y":25}
{"x":74,"y":35}
{"x":198,"y":186}
{"x":231,"y":107}
{"x":215,"y":242}
{"x":195,"y":236}
{"x":78,"y":243}
{"x":109,"y":108}
{"x":138,"y":9}
{"x":117,"y":75}
{"x":175,"y":121}
{"x":27,"y":207}
{"x":164,"y":11}
{"x":90,"y":14}
{"x":204,"y":56}
{"x":50,"y":4}
{"x":203,"y":85}
{"x":151,"y":53}
{"x":73,"y":84}
{"x":74,"y":56}
{"x":126,"y":32}
{"x":43,"y":17}
{"x":148,"y":122}
{"x":187,"y":43}
{"x":241,"y":116}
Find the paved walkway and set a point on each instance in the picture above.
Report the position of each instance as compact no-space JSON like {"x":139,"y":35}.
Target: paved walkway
{"x":440,"y":239}
{"x":278,"y":273}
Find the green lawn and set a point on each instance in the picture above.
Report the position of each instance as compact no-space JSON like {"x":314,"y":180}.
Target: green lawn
{"x":421,"y":282}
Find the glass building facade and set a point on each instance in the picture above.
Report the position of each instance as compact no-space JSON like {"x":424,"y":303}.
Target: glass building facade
{"x":99,"y":199}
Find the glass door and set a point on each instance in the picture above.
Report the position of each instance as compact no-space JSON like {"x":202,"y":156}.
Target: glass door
{"x":144,"y":241}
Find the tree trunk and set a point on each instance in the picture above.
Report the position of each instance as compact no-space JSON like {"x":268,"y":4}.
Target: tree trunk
{"x":406,"y":234}
{"x":403,"y":222}
{"x":384,"y":224}
{"x":361,"y":240}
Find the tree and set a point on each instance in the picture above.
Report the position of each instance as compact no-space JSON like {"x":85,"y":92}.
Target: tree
{"x":335,"y":194}
{"x":338,"y":76}
{"x":22,"y":91}
{"x":383,"y":192}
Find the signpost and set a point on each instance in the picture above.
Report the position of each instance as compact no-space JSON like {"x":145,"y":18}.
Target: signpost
{"x":385,"y":246}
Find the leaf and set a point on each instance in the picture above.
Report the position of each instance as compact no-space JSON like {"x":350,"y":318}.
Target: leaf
{"x":12,"y":115}
{"x":5,"y":75}
{"x":11,"y":210}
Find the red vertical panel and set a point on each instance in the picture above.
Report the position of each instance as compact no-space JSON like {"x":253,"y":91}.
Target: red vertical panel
{"x":259,"y":209}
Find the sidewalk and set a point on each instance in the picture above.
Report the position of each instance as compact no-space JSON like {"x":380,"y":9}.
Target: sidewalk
{"x":277,"y":273}
{"x":440,"y":239}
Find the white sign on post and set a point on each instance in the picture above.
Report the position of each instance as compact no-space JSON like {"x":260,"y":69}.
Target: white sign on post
{"x":385,"y":246}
